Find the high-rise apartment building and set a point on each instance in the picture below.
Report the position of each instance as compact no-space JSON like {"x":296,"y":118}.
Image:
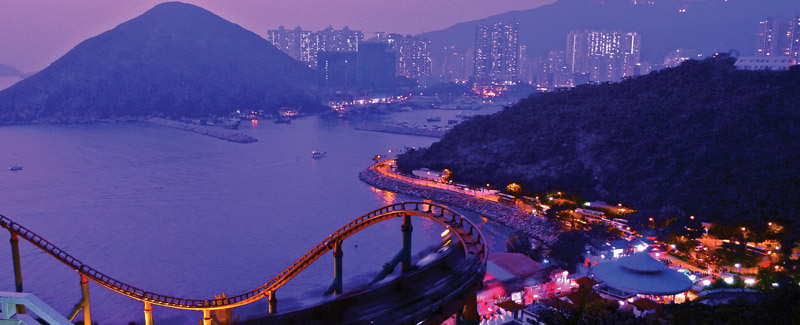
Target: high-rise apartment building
{"x":294,"y":42}
{"x":778,"y":37}
{"x":794,"y":29}
{"x":771,"y":38}
{"x":603,"y":55}
{"x":456,"y":65}
{"x":305,"y":45}
{"x":413,"y":54}
{"x":556,"y":70}
{"x":376,"y":65}
{"x":496,"y":54}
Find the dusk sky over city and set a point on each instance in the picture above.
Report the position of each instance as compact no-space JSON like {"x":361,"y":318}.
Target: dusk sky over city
{"x":35,"y":33}
{"x":223,"y":162}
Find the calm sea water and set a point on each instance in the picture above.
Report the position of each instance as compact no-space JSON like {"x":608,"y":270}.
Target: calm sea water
{"x":182,"y":214}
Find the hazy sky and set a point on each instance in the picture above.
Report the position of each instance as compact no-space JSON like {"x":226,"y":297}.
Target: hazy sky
{"x":34,"y":33}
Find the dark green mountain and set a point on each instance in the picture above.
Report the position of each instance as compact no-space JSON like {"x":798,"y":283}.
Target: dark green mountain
{"x":709,"y":26}
{"x":714,"y":141}
{"x":174,"y":60}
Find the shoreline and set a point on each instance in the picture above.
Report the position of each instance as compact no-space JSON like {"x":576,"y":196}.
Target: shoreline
{"x":214,"y":132}
{"x":540,"y":230}
{"x":385,"y":128}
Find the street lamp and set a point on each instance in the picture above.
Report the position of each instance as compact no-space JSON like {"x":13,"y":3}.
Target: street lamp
{"x":743,"y":235}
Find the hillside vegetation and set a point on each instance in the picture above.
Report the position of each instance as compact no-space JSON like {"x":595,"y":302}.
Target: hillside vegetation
{"x":714,"y":141}
{"x":174,"y":60}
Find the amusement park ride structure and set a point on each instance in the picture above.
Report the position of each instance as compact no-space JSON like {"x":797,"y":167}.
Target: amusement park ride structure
{"x":471,"y":242}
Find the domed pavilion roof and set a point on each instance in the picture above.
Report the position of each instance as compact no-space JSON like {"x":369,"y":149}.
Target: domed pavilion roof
{"x":642,"y":274}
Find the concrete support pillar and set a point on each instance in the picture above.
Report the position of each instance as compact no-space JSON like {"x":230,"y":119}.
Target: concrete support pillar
{"x":207,"y":317}
{"x":87,"y":312}
{"x":337,"y":267}
{"x":148,"y":314}
{"x":406,"y":259}
{"x":17,"y":267}
{"x":273,"y":302}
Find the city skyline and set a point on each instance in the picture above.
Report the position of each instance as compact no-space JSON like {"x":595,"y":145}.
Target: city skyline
{"x":35,"y":36}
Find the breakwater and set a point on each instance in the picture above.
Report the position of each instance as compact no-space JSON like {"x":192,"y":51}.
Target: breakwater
{"x":543,"y":231}
{"x":399,"y":129}
{"x":214,"y":132}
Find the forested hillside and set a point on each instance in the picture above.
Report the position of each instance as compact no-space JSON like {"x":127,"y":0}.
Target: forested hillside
{"x":714,"y":141}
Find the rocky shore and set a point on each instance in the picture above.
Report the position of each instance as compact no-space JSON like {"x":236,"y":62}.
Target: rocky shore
{"x":399,"y":129}
{"x":543,"y":231}
{"x":214,"y":132}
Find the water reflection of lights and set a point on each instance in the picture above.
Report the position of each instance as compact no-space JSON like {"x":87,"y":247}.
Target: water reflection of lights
{"x":254,"y":123}
{"x":387,"y":196}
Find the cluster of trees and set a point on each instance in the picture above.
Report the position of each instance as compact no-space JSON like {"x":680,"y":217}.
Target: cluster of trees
{"x":775,"y":306}
{"x":703,"y":137}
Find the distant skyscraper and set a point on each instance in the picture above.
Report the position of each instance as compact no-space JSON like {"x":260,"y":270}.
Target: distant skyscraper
{"x":603,"y":55}
{"x":556,"y":71}
{"x":631,"y":54}
{"x":304,"y":45}
{"x":413,"y":54}
{"x":496,"y":53}
{"x":778,"y":37}
{"x":771,"y":37}
{"x":455,"y":66}
{"x":794,"y":39}
{"x":376,"y":65}
{"x":291,"y":41}
{"x":339,"y":69}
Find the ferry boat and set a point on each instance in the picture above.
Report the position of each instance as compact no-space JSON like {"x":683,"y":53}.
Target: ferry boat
{"x":318,"y":154}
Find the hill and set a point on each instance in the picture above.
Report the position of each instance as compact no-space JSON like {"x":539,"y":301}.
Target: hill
{"x":9,"y":71}
{"x":174,"y":60}
{"x":714,"y":141}
{"x":708,"y":26}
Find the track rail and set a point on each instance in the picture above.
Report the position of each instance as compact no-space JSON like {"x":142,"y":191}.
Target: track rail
{"x":468,"y":234}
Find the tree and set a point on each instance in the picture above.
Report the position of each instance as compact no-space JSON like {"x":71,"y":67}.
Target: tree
{"x":568,"y":249}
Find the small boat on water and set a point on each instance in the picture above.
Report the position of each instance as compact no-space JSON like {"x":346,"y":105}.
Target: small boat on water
{"x":318,"y":154}
{"x":434,"y":118}
{"x":16,"y":166}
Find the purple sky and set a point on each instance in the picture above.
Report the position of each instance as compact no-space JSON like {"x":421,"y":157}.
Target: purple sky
{"x":34,"y":33}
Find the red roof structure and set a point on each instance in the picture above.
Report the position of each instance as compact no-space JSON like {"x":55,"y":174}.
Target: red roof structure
{"x":516,"y":264}
{"x":586,"y":282}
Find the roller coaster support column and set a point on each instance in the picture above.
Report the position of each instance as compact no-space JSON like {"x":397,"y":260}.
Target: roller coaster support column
{"x":148,"y":314}
{"x":337,"y":268}
{"x":87,"y":313}
{"x":407,"y":228}
{"x":273,"y":302}
{"x":17,"y":267}
{"x":207,"y":317}
{"x":470,"y":314}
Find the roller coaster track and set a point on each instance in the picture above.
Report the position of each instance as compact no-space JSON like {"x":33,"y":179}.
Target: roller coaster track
{"x":469,"y":236}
